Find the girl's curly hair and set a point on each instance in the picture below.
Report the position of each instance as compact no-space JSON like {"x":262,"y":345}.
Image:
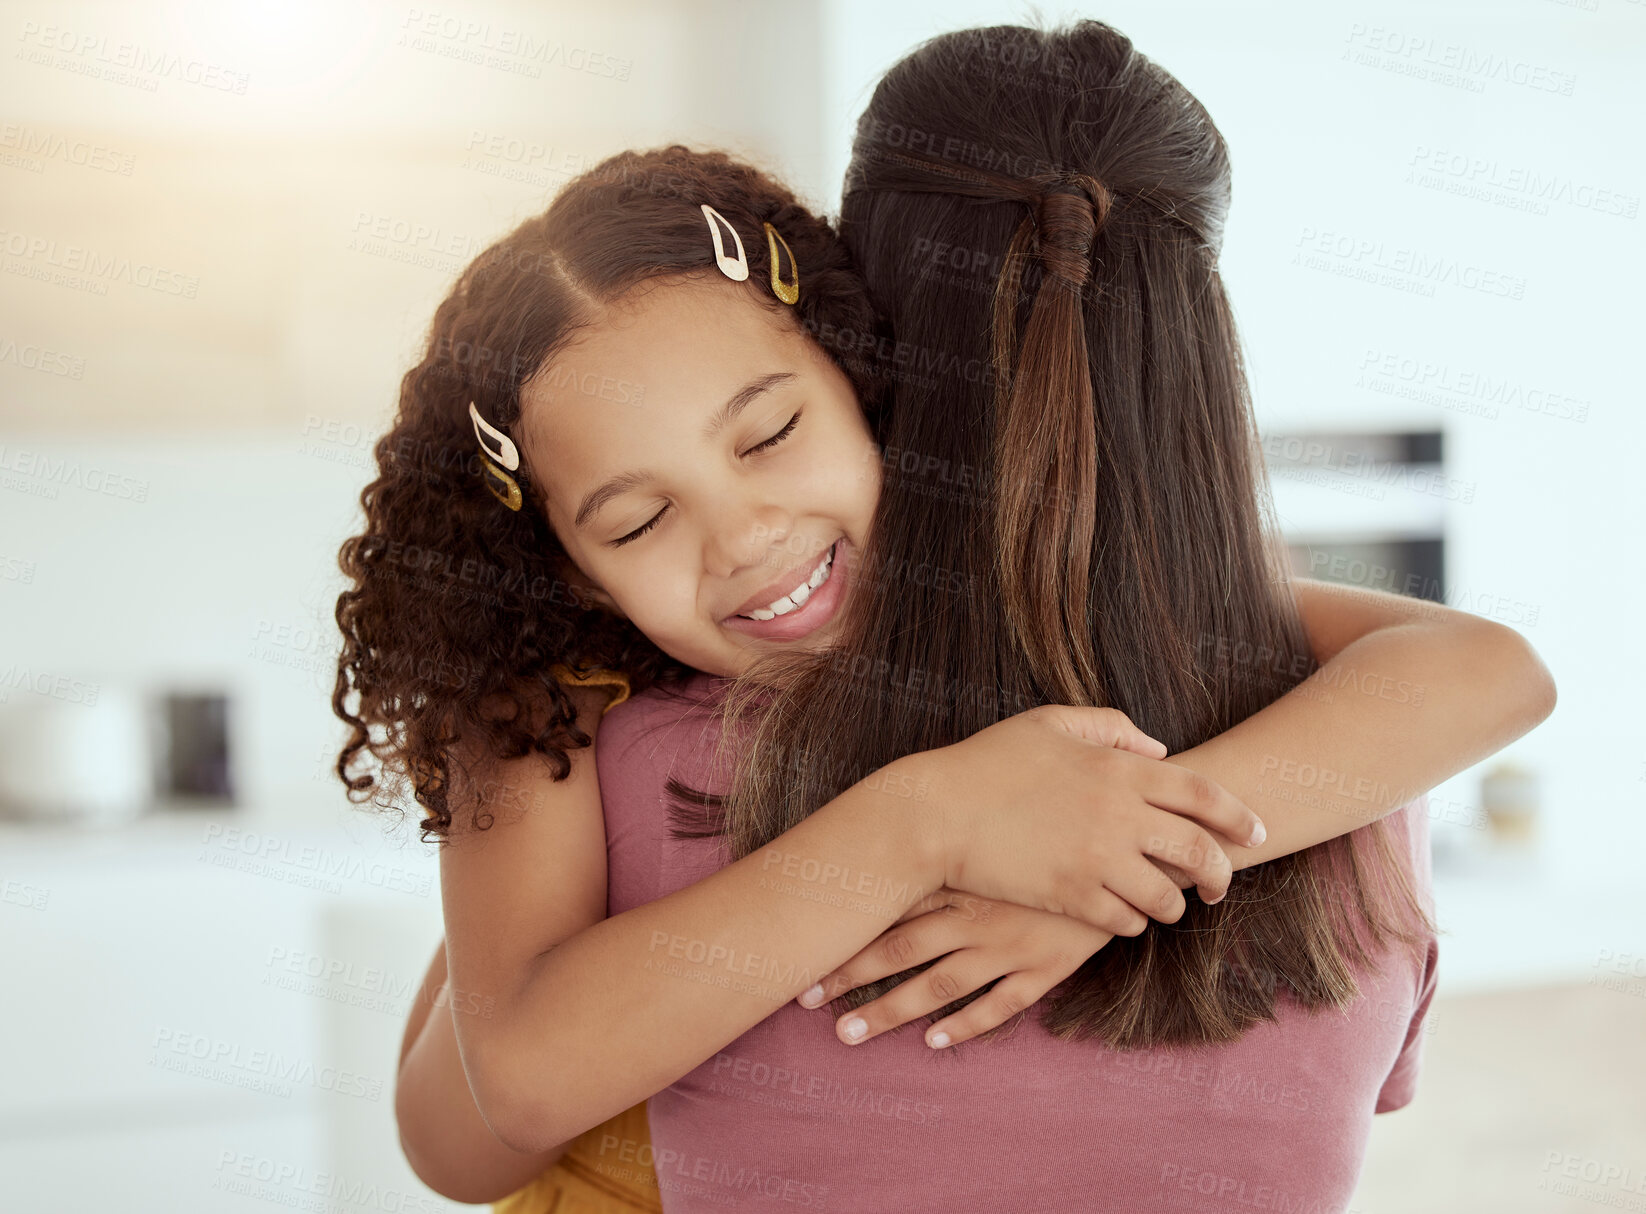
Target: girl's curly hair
{"x":460,"y":607}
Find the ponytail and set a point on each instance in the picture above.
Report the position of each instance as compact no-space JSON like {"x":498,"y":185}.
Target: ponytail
{"x":1045,"y":421}
{"x":1046,"y":430}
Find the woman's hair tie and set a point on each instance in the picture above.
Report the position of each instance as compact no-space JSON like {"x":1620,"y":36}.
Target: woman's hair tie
{"x":1071,"y":210}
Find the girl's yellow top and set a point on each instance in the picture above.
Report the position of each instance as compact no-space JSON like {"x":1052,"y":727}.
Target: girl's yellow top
{"x":606,"y":1170}
{"x":594,"y":678}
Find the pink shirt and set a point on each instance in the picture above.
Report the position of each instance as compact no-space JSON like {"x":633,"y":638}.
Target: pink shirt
{"x":787,"y":1118}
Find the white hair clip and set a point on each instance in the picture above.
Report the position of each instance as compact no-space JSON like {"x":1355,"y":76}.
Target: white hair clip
{"x":735,"y":269}
{"x":502,"y":486}
{"x":507,"y":453}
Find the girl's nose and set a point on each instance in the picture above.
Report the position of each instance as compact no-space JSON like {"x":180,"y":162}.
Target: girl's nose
{"x":745,"y":536}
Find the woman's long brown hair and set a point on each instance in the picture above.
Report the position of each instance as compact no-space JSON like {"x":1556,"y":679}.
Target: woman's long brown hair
{"x":1073,"y":511}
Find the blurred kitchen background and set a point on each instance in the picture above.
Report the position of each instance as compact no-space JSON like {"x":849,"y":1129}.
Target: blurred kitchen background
{"x":224,"y":227}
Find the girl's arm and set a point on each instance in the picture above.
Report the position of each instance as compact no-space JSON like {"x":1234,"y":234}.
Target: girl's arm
{"x":520,"y":885}
{"x":1507,"y":699}
{"x":1409,"y":693}
{"x":576,"y":1040}
{"x":443,"y":1136}
{"x":1044,"y":808}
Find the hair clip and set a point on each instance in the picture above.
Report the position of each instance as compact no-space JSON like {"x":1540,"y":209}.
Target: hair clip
{"x":788,"y":292}
{"x":507,"y":453}
{"x":503,"y":486}
{"x":735,"y":269}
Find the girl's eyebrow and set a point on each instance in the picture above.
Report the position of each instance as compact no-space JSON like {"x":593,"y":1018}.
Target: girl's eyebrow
{"x":743,"y":398}
{"x":624,"y":481}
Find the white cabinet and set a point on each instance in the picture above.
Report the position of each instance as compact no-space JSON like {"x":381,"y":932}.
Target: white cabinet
{"x":202,"y":1016}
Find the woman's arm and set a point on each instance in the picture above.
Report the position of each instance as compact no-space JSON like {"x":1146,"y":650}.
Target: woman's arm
{"x":1408,"y":694}
{"x":442,"y":1134}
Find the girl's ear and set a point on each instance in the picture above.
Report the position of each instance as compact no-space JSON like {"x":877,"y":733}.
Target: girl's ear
{"x":593,"y":594}
{"x":585,"y":590}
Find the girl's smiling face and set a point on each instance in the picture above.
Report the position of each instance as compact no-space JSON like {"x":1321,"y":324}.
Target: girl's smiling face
{"x":703,"y":460}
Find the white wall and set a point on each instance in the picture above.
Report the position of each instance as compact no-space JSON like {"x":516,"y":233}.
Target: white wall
{"x":313,"y":221}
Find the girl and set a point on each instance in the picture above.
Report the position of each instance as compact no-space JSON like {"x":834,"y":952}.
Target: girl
{"x":626,"y":336}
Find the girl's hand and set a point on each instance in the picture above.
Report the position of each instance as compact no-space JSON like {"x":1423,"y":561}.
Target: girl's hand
{"x":979,"y":940}
{"x":1066,"y":809}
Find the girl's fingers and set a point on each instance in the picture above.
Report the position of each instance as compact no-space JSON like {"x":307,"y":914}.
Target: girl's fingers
{"x":1188,"y":847}
{"x":1176,"y":875}
{"x":1105,"y":726}
{"x":937,"y":900}
{"x":1103,"y":908}
{"x":956,"y":975}
{"x":1145,"y":888}
{"x":1182,"y":791}
{"x":993,"y":1008}
{"x":893,"y":951}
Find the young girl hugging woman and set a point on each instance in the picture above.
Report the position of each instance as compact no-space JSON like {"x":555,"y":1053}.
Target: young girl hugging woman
{"x":663,"y":465}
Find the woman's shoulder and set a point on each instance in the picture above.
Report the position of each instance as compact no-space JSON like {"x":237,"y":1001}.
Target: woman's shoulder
{"x":668,"y":726}
{"x":1411,"y":824}
{"x":669,"y":698}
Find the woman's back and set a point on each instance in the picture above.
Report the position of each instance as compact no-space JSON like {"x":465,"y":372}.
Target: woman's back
{"x":786,"y":1116}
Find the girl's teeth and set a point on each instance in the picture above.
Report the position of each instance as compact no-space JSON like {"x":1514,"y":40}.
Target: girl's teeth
{"x":798,"y":595}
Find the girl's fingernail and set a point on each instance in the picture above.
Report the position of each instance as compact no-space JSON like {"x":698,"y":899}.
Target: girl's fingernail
{"x":812,"y":995}
{"x":938,"y":1041}
{"x":1258,"y":835}
{"x":855,"y":1028}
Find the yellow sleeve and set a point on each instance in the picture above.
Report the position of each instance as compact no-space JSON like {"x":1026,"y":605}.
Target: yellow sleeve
{"x":606,"y":1170}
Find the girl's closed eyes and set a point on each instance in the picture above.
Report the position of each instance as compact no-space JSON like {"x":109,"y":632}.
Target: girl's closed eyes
{"x":778,"y":437}
{"x":765,"y":446}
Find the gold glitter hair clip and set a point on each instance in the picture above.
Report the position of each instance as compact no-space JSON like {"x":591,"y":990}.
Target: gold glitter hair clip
{"x":503,"y":486}
{"x":788,"y":292}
